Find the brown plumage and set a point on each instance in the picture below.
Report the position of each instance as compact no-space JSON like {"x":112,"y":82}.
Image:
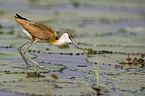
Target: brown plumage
{"x":39,"y":32}
{"x":37,"y":29}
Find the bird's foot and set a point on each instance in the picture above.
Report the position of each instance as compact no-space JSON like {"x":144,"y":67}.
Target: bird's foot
{"x":42,"y":67}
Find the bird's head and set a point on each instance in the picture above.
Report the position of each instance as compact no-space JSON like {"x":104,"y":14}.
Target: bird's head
{"x":67,"y":37}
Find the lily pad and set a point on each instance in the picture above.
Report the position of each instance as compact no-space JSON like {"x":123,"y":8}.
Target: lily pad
{"x":109,"y":29}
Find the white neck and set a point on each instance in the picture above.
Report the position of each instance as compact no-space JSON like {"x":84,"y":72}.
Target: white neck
{"x":63,"y":39}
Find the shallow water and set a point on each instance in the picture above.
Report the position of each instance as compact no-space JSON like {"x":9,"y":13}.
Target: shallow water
{"x":117,"y":28}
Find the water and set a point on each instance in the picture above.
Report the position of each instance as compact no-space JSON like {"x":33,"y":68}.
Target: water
{"x":91,"y":24}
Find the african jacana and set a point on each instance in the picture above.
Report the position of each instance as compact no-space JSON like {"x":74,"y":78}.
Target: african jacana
{"x":39,"y":32}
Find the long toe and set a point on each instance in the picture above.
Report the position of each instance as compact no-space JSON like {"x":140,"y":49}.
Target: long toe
{"x":42,"y":67}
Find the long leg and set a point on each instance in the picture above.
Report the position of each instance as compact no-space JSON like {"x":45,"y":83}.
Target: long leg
{"x":25,"y":56}
{"x":19,"y":50}
{"x":30,"y":58}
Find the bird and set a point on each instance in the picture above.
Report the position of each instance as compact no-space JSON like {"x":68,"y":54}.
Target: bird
{"x":40,"y":32}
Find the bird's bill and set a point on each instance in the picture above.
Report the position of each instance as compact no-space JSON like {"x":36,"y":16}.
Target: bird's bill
{"x":75,"y":43}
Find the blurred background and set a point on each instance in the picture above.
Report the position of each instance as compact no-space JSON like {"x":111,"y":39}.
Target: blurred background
{"x":114,"y":25}
{"x":99,"y":20}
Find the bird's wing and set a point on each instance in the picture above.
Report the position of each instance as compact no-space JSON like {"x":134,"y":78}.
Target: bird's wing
{"x":40,"y":30}
{"x":37,"y":29}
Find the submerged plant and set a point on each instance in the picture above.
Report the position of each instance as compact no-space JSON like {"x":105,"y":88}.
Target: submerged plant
{"x":96,"y":87}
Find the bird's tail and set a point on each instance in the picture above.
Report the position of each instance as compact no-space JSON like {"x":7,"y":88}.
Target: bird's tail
{"x":20,"y":17}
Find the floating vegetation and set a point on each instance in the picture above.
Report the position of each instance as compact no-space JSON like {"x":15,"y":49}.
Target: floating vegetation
{"x":82,"y":65}
{"x":5,"y":46}
{"x":90,"y":51}
{"x":135,"y":60}
{"x":97,"y":89}
{"x":106,"y":31}
{"x":54,"y":76}
{"x":75,"y":3}
{"x":64,"y":46}
{"x":34,"y":74}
